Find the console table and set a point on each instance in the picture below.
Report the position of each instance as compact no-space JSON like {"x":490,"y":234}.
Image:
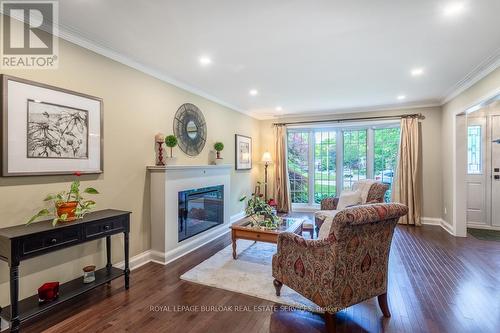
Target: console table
{"x":27,"y":241}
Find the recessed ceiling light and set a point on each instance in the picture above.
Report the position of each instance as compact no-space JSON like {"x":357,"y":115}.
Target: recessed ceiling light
{"x":453,"y":9}
{"x":205,"y":61}
{"x":279,"y":108}
{"x":253,"y":92}
{"x":417,"y":71}
{"x":401,"y":97}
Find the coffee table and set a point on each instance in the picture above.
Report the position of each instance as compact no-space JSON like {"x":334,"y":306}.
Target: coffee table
{"x":244,"y":230}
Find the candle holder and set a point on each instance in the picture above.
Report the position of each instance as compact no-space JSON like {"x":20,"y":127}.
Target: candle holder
{"x":89,"y":274}
{"x":160,"y":140}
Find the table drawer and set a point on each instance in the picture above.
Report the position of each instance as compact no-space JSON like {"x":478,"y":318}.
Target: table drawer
{"x":106,"y":227}
{"x":50,"y":241}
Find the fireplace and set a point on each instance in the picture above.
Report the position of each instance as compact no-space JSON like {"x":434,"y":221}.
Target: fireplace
{"x":199,"y":210}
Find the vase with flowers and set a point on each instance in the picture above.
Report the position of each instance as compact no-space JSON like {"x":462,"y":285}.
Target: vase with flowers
{"x":259,"y":212}
{"x":67,"y":205}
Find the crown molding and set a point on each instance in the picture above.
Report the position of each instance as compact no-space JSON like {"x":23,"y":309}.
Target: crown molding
{"x":478,"y":73}
{"x":385,"y":107}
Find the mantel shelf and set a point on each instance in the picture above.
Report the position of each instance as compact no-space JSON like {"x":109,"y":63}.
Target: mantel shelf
{"x":188,"y":167}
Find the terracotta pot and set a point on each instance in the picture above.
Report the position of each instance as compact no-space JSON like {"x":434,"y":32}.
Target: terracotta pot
{"x":67,"y":208}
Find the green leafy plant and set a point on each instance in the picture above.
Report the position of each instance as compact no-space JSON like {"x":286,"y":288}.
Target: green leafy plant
{"x":218,"y":146}
{"x":171,"y":142}
{"x":78,"y":206}
{"x":260,"y":212}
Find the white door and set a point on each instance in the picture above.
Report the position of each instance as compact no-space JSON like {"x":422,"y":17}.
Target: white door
{"x":476,"y":178}
{"x":495,"y":174}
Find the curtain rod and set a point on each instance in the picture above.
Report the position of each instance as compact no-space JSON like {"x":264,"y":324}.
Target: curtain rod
{"x":414,"y":115}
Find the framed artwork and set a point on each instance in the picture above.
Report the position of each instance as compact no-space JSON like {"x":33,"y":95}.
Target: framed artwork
{"x":243,"y":146}
{"x":48,"y":130}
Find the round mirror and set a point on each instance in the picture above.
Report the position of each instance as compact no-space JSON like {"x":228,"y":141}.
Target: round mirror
{"x":191,"y":129}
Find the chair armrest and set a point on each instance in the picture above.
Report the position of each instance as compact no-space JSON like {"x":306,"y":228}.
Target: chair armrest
{"x":329,"y":203}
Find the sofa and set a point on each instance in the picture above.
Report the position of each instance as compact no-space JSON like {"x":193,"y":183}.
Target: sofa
{"x":374,"y":191}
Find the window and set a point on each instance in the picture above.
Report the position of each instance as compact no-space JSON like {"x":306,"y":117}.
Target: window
{"x":323,"y":161}
{"x":386,"y":144}
{"x":354,"y":157}
{"x":325,"y":164}
{"x":298,"y":166}
{"x":474,"y":165}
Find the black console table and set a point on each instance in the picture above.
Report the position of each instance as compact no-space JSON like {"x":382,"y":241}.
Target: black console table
{"x":27,"y":241}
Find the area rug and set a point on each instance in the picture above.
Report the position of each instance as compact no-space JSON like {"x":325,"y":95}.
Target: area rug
{"x":250,"y":274}
{"x":483,"y":234}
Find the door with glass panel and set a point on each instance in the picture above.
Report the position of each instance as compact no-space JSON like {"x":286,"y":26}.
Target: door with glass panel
{"x":476,"y":178}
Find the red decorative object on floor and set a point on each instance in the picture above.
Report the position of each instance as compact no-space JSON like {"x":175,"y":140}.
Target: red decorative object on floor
{"x":48,"y":292}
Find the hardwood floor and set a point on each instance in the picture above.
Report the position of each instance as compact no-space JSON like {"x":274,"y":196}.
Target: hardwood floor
{"x":437,"y":283}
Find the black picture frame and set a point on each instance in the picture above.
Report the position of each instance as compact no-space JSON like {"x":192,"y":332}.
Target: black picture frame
{"x":240,"y":163}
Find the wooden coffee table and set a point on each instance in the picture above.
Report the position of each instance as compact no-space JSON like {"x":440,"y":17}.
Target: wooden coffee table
{"x":244,"y":230}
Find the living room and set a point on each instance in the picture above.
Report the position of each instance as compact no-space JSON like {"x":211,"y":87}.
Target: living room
{"x":259,"y":167}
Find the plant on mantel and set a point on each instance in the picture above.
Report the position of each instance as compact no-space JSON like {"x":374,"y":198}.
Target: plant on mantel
{"x":218,"y":146}
{"x":171,"y":141}
{"x":67,"y":205}
{"x":261,"y":214}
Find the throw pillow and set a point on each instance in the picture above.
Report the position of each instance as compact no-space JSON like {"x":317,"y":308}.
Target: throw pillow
{"x":349,"y":198}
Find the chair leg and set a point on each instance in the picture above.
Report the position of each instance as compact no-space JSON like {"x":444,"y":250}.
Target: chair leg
{"x":330,"y":322}
{"x":384,"y":306}
{"x":277,"y":286}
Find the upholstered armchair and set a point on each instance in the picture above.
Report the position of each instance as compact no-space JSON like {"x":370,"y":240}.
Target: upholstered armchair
{"x":375,"y":193}
{"x":349,"y":266}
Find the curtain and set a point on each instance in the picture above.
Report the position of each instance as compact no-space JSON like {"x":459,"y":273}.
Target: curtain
{"x":281,"y":183}
{"x":406,"y":188}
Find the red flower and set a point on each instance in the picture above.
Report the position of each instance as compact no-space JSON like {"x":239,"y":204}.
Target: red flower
{"x":78,"y":173}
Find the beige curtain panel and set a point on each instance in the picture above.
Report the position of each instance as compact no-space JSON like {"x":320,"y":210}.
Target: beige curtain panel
{"x":281,"y":184}
{"x":406,"y":188}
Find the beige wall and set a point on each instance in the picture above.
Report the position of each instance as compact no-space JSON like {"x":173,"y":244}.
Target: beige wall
{"x":431,"y":150}
{"x":136,"y":107}
{"x":468,"y":98}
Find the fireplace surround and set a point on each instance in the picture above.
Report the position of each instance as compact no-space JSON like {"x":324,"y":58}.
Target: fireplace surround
{"x":169,"y":187}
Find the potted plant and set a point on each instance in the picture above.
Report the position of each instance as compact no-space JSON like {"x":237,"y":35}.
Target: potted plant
{"x":171,"y":142}
{"x":67,"y":205}
{"x":261,"y":214}
{"x":218,"y":146}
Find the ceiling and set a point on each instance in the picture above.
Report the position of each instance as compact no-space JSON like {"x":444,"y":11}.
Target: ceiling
{"x":307,"y":56}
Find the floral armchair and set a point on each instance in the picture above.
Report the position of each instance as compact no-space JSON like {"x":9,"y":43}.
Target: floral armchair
{"x":375,"y":193}
{"x":347,"y":267}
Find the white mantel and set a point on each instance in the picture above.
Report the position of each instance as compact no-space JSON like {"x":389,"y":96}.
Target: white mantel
{"x":166,"y":182}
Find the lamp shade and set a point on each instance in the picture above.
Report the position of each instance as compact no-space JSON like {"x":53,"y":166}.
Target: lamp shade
{"x":266,"y":157}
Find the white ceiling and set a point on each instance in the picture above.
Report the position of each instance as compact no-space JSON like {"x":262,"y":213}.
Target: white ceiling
{"x":309,"y":56}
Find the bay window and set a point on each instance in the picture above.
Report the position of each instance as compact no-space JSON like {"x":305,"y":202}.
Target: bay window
{"x":323,"y":161}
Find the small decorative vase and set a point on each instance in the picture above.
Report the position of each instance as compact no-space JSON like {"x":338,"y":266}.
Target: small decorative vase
{"x":67,"y":208}
{"x":219,"y":161}
{"x":170,"y":160}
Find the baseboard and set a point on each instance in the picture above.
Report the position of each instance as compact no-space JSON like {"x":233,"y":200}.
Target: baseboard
{"x":482,"y":226}
{"x":165,"y":258}
{"x":439,"y":222}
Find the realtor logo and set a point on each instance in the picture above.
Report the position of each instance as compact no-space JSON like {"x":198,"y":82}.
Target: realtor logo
{"x":29,"y":34}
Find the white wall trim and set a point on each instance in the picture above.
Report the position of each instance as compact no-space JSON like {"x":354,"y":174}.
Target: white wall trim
{"x":482,"y":226}
{"x":477,"y":74}
{"x":438,"y":222}
{"x":165,"y":258}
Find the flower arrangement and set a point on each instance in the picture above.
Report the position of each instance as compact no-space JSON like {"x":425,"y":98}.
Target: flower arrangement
{"x":67,"y":205}
{"x":262,"y":215}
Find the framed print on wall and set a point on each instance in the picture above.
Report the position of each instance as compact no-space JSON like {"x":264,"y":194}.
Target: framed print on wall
{"x":48,"y":130}
{"x":243,"y":146}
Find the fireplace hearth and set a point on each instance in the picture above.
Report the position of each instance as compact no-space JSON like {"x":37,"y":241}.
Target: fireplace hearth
{"x":199,"y":210}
